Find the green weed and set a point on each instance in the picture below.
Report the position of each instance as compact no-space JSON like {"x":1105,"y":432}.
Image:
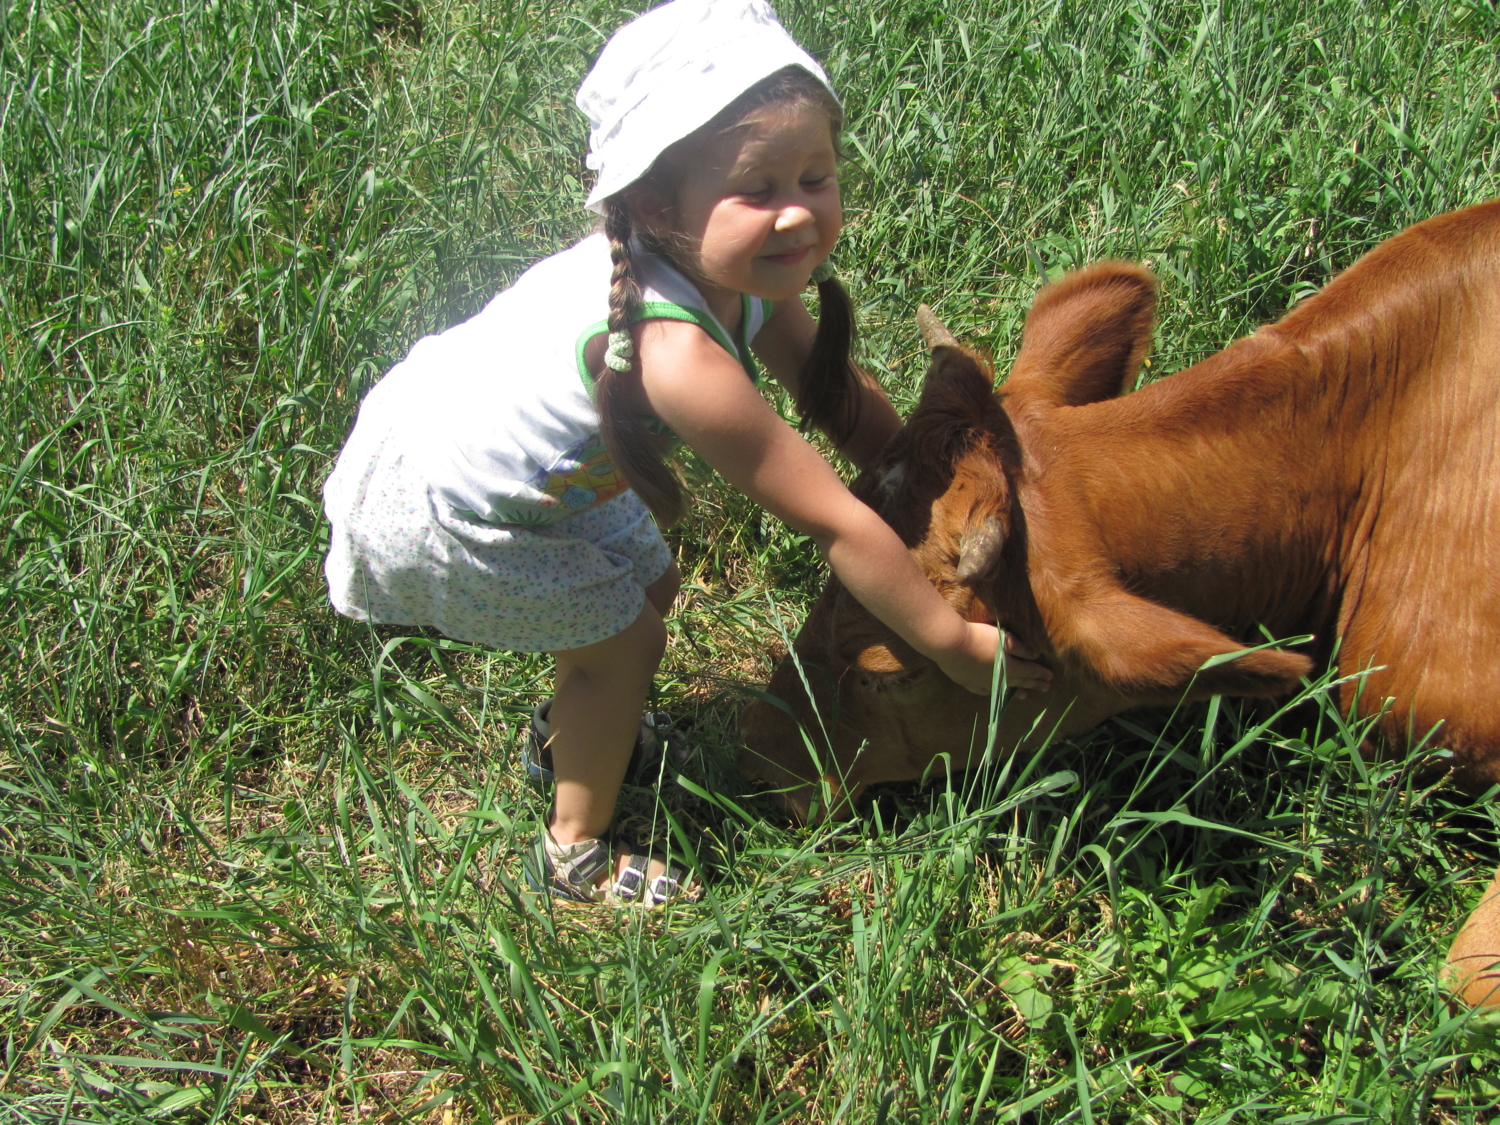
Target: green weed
{"x":263,"y":864}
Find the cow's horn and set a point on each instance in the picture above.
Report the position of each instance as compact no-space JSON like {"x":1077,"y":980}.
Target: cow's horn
{"x":932,"y":329}
{"x":977,"y":548}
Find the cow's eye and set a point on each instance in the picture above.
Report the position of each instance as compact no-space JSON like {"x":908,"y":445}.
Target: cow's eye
{"x":890,"y":681}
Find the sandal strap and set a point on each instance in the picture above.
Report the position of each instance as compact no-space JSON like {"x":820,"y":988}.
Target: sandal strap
{"x":668,"y":884}
{"x":573,"y":870}
{"x":635,"y":883}
{"x":632,"y":881}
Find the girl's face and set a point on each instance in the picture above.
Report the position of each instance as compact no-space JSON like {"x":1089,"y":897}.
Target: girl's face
{"x":757,"y":208}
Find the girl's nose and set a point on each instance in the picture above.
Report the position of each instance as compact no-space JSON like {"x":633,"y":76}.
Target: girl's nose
{"x":793,"y":216}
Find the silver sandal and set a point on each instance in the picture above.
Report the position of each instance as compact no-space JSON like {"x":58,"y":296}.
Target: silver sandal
{"x":634,"y":886}
{"x":572,"y":871}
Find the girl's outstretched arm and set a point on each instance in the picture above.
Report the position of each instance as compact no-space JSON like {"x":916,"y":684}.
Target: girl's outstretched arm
{"x":783,"y":344}
{"x":695,"y":387}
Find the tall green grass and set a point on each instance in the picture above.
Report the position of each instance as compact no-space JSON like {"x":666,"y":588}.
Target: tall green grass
{"x":260,"y":863}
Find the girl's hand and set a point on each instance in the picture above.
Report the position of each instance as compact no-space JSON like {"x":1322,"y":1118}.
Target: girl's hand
{"x":973,"y":666}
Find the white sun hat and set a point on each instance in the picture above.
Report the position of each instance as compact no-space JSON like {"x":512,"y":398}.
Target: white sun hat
{"x":671,"y":70}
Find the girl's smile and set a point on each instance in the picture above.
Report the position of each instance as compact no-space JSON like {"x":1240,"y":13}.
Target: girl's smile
{"x":791,"y":258}
{"x":757,"y":210}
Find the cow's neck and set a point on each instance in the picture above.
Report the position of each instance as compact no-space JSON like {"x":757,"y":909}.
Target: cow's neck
{"x":1198,"y":490}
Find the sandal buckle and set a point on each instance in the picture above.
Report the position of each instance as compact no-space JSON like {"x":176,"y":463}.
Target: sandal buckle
{"x":632,"y":880}
{"x":628,"y":885}
{"x":663,"y":888}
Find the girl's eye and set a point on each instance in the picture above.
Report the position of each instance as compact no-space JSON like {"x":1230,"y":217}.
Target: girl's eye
{"x":817,"y":181}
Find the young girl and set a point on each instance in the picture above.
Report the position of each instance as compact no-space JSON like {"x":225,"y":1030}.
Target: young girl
{"x":498,"y":481}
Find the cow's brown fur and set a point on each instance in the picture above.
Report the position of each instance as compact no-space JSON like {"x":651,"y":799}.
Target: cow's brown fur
{"x":1334,"y":474}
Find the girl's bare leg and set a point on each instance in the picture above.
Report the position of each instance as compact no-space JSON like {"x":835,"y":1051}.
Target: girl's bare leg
{"x":596,"y":710}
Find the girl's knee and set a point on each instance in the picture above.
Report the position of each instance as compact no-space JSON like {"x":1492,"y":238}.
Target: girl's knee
{"x":638,"y":648}
{"x":663,"y":592}
{"x":653,"y":632}
{"x":637,"y":652}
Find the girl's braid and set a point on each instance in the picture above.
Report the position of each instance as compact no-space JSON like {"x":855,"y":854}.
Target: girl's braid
{"x":636,"y":451}
{"x":624,"y":290}
{"x":829,"y":384}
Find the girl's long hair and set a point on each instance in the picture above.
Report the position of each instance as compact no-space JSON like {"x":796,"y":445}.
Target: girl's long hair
{"x":829,"y":384}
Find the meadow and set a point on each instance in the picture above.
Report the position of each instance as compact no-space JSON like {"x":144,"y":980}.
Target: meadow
{"x":258,"y":863}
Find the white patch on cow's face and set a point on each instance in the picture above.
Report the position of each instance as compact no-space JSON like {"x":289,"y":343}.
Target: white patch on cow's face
{"x":891,"y":478}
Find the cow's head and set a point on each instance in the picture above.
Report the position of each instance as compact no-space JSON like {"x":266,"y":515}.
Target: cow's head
{"x":969,"y":484}
{"x":878,"y":710}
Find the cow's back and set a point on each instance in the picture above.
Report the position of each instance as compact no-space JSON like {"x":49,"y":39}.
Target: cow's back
{"x":1408,"y":341}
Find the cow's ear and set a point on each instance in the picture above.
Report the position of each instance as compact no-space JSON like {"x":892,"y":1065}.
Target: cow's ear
{"x":1086,"y":335}
{"x":958,"y":389}
{"x":1144,"y":649}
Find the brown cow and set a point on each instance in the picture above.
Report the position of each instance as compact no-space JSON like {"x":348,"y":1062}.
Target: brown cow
{"x":1334,"y":474}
